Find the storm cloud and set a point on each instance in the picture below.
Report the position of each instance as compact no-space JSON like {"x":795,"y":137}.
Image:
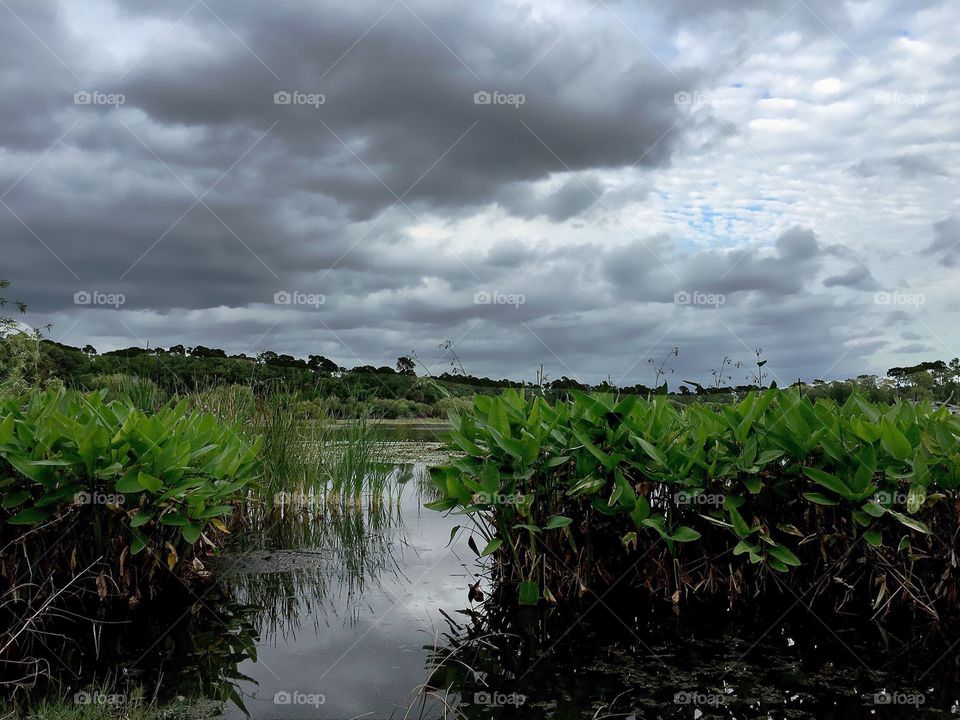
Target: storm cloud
{"x":584,"y":185}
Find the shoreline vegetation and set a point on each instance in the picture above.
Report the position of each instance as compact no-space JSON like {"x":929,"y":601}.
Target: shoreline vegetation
{"x":854,"y":507}
{"x":109,"y":506}
{"x":324,"y":389}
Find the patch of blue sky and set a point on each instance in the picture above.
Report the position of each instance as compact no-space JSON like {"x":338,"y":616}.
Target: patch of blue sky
{"x":716,"y":226}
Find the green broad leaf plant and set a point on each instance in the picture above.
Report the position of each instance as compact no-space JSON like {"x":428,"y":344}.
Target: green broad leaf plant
{"x":163,"y":482}
{"x":569,"y":495}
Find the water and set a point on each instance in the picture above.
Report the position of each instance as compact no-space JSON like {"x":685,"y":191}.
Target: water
{"x":360,"y":643}
{"x":344,"y":612}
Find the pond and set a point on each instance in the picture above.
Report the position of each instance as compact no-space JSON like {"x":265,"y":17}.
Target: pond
{"x":349,"y":611}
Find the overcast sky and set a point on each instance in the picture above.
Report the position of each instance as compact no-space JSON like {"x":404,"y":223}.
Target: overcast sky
{"x":586,"y":185}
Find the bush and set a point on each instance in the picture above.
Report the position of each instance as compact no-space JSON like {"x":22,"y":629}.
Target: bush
{"x":455,"y":405}
{"x":388,"y":409}
{"x":159,"y":481}
{"x":712,"y":499}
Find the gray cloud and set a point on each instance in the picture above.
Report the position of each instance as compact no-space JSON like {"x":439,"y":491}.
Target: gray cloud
{"x":859,"y":278}
{"x":597,"y":199}
{"x":946,"y":242}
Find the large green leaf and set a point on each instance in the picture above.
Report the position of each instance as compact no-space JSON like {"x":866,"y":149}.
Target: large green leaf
{"x":31,"y":516}
{"x":529,"y":593}
{"x":894,"y":441}
{"x":149,"y":482}
{"x":491,"y":547}
{"x":829,"y":481}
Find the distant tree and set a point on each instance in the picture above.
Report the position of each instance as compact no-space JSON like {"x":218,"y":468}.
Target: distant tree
{"x":287,"y":361}
{"x":204,"y":352}
{"x":129,"y":352}
{"x":607,"y":387}
{"x":364,"y":370}
{"x":406,"y":365}
{"x":565,"y":383}
{"x":178,"y":350}
{"x":319,"y":363}
{"x":638,"y":389}
{"x":89,"y":350}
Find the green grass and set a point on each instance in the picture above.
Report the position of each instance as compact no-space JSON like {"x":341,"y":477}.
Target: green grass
{"x":306,"y":449}
{"x":105,"y":705}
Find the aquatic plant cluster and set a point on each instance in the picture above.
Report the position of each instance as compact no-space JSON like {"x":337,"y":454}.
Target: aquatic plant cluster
{"x":162,"y":480}
{"x":775,"y":493}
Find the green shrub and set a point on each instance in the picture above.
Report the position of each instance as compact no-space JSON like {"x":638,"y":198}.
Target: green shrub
{"x":577,"y":493}
{"x":451,"y":406}
{"x":171,"y":475}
